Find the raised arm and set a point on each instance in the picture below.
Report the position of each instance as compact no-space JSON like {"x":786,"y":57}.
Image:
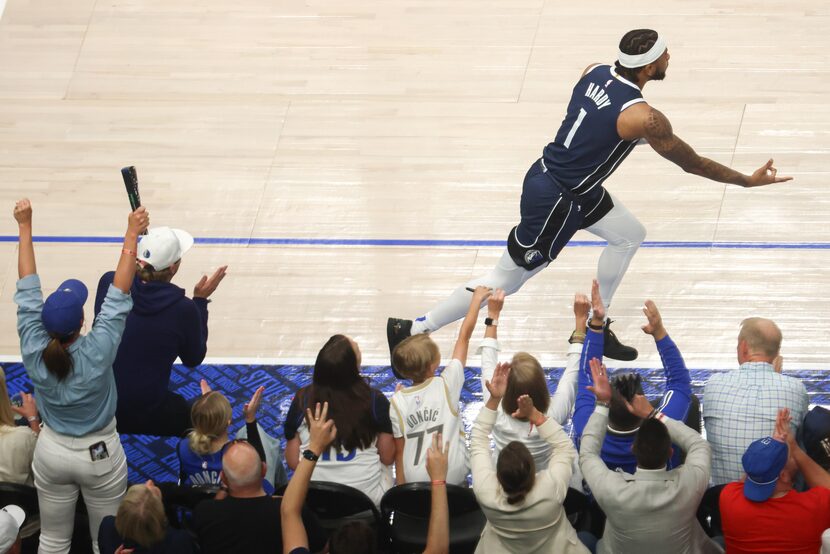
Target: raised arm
{"x":560,"y":467}
{"x":675,"y":402}
{"x":125,"y":271}
{"x":643,"y":121}
{"x":814,"y":474}
{"x":562,"y":401}
{"x":489,"y":348}
{"x":323,"y":432}
{"x":599,"y":478}
{"x":462,"y":345}
{"x":249,"y":410}
{"x":485,"y":483}
{"x":438,"y":533}
{"x":593,"y":348}
{"x":26,"y":249}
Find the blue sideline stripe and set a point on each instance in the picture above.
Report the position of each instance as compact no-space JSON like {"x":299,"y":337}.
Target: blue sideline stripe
{"x":257,"y":241}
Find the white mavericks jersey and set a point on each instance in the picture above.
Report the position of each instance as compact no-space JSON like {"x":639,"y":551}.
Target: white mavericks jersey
{"x":419,"y":411}
{"x":360,"y":469}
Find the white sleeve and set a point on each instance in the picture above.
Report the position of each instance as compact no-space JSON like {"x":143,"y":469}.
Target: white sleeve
{"x":489,"y":350}
{"x":453,"y":376}
{"x":395,"y":416}
{"x":562,"y":402}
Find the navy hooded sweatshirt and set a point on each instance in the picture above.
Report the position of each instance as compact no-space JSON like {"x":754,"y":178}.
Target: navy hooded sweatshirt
{"x":164,"y":324}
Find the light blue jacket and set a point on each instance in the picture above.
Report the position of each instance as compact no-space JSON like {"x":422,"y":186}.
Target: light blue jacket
{"x":85,"y":400}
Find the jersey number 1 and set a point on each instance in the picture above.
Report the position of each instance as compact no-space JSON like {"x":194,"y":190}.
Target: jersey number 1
{"x":577,"y":123}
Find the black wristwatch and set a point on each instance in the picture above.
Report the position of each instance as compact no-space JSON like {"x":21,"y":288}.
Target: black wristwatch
{"x":310,"y":456}
{"x":489,"y":321}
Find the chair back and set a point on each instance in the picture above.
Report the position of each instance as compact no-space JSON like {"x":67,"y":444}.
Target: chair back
{"x":335,"y":504}
{"x":405,"y":510}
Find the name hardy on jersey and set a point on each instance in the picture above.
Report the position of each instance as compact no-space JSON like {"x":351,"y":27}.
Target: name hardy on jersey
{"x":427,"y":415}
{"x":598,"y":95}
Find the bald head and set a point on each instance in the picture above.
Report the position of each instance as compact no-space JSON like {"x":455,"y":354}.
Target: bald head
{"x":760,"y":338}
{"x":242,"y":467}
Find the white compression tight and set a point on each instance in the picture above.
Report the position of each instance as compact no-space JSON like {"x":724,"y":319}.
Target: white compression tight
{"x":619,"y":227}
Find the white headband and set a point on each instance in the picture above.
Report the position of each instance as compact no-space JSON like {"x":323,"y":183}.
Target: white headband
{"x":639,"y":60}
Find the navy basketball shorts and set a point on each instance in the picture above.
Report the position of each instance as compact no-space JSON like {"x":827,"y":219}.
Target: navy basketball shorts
{"x":550,"y":216}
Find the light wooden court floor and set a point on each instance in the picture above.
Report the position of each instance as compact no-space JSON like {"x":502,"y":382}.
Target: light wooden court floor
{"x":267,"y":123}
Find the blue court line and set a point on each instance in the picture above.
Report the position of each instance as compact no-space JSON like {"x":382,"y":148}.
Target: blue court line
{"x":256,"y":241}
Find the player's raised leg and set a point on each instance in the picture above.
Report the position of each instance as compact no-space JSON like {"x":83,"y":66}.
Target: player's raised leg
{"x":624,"y":234}
{"x":505,"y":275}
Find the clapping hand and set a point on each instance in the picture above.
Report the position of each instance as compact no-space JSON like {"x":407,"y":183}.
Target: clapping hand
{"x":250,"y":408}
{"x":639,"y":406}
{"x":207,"y":285}
{"x":322,"y":430}
{"x":498,"y":384}
{"x":601,"y":387}
{"x":654,"y":326}
{"x":438,"y":458}
{"x":782,"y":428}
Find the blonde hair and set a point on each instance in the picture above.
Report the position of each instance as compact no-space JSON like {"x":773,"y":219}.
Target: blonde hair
{"x":526,"y":377}
{"x":210,"y":415}
{"x":147,"y":272}
{"x":416,"y":356}
{"x":140,"y":517}
{"x":6,"y":413}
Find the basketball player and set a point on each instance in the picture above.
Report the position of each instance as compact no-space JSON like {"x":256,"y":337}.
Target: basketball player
{"x":563,"y":190}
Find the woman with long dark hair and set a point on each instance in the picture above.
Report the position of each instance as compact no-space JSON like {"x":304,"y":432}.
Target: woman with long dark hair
{"x":78,"y":449}
{"x":364,"y":447}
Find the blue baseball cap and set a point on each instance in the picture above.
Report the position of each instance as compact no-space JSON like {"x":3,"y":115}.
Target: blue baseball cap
{"x":763,"y":462}
{"x":64,"y":309}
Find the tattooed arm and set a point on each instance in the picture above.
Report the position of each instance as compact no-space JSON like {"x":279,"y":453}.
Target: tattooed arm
{"x":646,"y":122}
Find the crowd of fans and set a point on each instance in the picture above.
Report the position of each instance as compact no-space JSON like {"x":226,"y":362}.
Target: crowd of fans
{"x":643,"y":469}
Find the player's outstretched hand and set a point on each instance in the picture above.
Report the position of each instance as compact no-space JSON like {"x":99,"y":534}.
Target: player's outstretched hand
{"x":654,"y":326}
{"x":767,"y":174}
{"x":23,"y":211}
{"x":207,"y":285}
{"x":138,"y":221}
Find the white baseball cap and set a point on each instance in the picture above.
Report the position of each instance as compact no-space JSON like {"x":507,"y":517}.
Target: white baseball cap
{"x":161,"y":247}
{"x":11,"y":518}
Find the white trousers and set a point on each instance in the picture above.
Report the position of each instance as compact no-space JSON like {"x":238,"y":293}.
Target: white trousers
{"x":63,"y":467}
{"x":619,"y":227}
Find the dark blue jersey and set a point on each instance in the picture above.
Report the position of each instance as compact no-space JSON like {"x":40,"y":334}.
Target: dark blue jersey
{"x":587,"y":148}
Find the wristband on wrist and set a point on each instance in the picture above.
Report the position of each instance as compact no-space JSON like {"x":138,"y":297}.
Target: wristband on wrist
{"x":577,"y":336}
{"x":605,"y":404}
{"x":596,"y":327}
{"x":439,"y":482}
{"x":128,"y":252}
{"x":30,"y":419}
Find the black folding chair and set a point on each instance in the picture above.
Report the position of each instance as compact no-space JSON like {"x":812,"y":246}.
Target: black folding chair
{"x":405,"y":510}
